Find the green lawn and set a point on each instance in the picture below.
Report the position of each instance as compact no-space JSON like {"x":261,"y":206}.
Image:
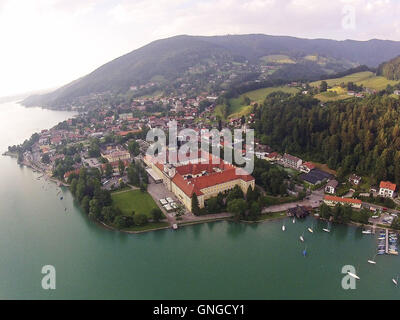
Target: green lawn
{"x":278,"y":58}
{"x":239,"y":108}
{"x":261,"y":94}
{"x":134,"y":200}
{"x":367,"y":79}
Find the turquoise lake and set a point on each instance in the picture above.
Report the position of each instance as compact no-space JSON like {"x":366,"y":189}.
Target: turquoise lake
{"x":221,"y":260}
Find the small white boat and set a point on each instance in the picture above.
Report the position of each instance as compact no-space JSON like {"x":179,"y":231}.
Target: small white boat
{"x":294,"y":221}
{"x":353,"y":275}
{"x":366,"y":231}
{"x":371,"y":261}
{"x":283,"y":228}
{"x":326,"y":230}
{"x":394,"y":281}
{"x":311,"y":230}
{"x":301,"y":239}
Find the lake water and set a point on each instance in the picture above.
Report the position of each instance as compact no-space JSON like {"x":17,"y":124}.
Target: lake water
{"x":219,"y":260}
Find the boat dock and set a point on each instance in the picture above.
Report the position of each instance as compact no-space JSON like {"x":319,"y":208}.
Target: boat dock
{"x":387,"y":242}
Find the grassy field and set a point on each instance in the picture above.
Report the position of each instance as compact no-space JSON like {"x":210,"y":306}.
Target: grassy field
{"x":367,"y":79}
{"x":239,"y":108}
{"x":331,"y":96}
{"x":134,"y":200}
{"x":278,"y":58}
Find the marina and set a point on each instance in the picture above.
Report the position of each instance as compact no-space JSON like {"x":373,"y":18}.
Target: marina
{"x":387,"y":242}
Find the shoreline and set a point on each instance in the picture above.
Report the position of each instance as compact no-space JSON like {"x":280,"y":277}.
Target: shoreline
{"x":182,"y":224}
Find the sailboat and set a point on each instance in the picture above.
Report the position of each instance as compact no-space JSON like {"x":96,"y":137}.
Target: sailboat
{"x":353,"y":275}
{"x":373,"y":260}
{"x":395,"y":280}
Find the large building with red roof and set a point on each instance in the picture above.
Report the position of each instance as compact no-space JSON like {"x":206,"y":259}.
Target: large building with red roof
{"x":205,"y":180}
{"x":333,"y":201}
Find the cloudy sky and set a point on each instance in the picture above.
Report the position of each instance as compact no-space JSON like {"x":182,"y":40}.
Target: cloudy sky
{"x":47,"y":43}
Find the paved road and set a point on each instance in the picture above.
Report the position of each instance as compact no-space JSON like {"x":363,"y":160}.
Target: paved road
{"x":314,"y":200}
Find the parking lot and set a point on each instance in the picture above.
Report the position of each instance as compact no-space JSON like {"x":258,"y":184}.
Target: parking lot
{"x":159,"y":191}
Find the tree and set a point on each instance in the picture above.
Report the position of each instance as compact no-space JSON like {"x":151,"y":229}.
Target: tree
{"x":73,"y":186}
{"x":195,"y":204}
{"x":94,"y":209}
{"x":108,"y":214}
{"x":237,"y":207}
{"x":121,"y":167}
{"x":85,"y":204}
{"x":94,"y":148}
{"x":108,"y":171}
{"x":46,"y":158}
{"x":180,"y":210}
{"x":120,"y":222}
{"x":133,"y":175}
{"x":133,"y":148}
{"x":325,"y":211}
{"x":156,"y":213}
{"x":235,"y":193}
{"x":140,"y":219}
{"x":323,"y":86}
{"x":213,"y":205}
{"x":143,"y":187}
{"x":255,"y":210}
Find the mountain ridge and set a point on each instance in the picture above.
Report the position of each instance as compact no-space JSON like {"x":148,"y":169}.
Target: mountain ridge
{"x":170,"y":58}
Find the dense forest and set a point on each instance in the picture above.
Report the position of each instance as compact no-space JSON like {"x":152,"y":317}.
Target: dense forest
{"x":390,"y":69}
{"x":354,"y":135}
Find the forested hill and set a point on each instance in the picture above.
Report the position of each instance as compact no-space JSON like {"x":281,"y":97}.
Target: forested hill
{"x":164,"y":61}
{"x":356,"y":135}
{"x":390,"y":69}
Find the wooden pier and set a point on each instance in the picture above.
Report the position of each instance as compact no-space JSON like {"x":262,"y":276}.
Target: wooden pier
{"x":387,"y":242}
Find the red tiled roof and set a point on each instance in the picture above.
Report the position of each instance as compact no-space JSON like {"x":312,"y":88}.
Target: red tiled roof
{"x":272,"y":155}
{"x":339,"y":199}
{"x":196,"y":184}
{"x":387,"y":185}
{"x":309,"y":165}
{"x":67,"y":174}
{"x":125,"y":133}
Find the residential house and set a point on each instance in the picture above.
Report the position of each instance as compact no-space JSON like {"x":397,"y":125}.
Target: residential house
{"x":273,"y":156}
{"x":291,"y":161}
{"x":387,"y":189}
{"x":306,"y":167}
{"x":354,"y":179}
{"x":331,"y":186}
